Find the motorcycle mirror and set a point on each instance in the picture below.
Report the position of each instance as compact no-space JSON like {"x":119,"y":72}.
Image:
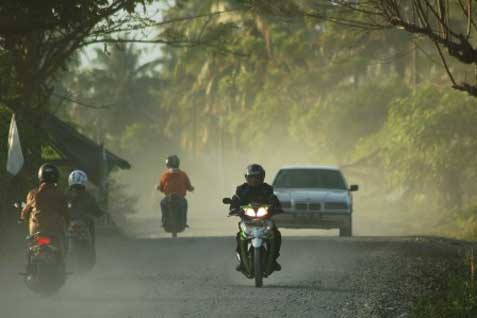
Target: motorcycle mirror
{"x":227,"y":201}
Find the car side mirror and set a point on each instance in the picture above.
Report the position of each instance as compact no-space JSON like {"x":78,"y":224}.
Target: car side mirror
{"x":354,"y":187}
{"x":227,"y":201}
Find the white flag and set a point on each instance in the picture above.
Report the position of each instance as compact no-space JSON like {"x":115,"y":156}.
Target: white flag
{"x":15,"y":159}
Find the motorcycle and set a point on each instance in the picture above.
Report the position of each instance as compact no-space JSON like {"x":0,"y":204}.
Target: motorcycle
{"x":81,"y":253}
{"x":174,"y":218}
{"x":45,"y":270}
{"x":256,"y":244}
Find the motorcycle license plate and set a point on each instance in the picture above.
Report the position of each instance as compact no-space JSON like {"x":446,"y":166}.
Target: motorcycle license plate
{"x":43,"y":258}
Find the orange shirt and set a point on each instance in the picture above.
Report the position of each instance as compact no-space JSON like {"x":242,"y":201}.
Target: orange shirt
{"x":175,"y":182}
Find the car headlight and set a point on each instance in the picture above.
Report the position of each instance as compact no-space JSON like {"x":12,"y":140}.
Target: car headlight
{"x":250,"y":212}
{"x":262,"y":212}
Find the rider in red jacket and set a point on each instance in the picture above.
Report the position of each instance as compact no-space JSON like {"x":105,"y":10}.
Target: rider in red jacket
{"x":174,"y":182}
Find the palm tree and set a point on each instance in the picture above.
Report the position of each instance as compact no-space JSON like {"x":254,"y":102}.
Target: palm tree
{"x":121,"y":88}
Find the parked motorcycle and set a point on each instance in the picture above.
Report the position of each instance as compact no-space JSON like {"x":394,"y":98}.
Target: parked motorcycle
{"x":81,"y":253}
{"x":174,"y":219}
{"x":45,"y":269}
{"x":256,"y":245}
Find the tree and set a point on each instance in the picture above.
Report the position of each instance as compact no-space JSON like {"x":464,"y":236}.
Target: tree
{"x":430,"y":144}
{"x":36,"y":41}
{"x":449,"y":25}
{"x":121,"y":92}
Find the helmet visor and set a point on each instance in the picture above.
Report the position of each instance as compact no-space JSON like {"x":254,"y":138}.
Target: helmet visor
{"x":254,"y":180}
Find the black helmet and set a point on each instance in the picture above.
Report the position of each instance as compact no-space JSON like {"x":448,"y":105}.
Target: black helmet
{"x":255,"y":174}
{"x":173,"y":162}
{"x":48,"y":173}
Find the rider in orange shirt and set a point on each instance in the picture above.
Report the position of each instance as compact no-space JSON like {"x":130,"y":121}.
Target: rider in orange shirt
{"x":174,"y":182}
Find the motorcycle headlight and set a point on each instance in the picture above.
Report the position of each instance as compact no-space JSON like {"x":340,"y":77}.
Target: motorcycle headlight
{"x":262,"y":212}
{"x":250,"y":212}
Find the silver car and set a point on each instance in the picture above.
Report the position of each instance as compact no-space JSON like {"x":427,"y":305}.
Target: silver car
{"x":314,"y":197}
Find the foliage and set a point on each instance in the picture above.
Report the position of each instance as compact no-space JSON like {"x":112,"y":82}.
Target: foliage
{"x":121,"y":93}
{"x":336,"y":125}
{"x":430,"y":140}
{"x":451,"y":294}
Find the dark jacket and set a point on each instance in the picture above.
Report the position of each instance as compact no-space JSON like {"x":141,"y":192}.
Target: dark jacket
{"x":263,"y":194}
{"x":82,"y":204}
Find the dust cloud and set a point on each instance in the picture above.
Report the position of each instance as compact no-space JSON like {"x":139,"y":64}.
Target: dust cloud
{"x":215,"y":174}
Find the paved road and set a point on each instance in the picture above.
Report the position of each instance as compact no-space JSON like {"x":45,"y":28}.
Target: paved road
{"x":195,"y":277}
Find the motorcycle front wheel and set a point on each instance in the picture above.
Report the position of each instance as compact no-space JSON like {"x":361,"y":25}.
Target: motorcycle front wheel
{"x":257,"y":267}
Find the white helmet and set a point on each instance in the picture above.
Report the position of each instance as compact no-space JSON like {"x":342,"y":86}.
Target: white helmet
{"x":77,"y":177}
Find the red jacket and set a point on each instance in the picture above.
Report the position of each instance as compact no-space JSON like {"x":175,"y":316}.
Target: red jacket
{"x":175,"y":182}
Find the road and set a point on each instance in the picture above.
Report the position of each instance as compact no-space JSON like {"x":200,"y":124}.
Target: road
{"x":195,"y":277}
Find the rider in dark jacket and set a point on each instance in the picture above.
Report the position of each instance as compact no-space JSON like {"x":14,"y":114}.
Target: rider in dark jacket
{"x":82,"y":204}
{"x":255,"y":190}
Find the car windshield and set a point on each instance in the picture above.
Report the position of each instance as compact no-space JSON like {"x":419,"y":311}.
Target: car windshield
{"x":310,"y":178}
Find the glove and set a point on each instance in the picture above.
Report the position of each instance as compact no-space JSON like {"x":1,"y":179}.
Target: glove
{"x":234,"y":212}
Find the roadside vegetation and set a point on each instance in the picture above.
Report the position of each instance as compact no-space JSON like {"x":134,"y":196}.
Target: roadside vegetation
{"x":451,"y":291}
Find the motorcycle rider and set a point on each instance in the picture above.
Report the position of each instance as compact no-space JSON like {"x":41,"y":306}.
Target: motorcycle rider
{"x":81,"y":203}
{"x":174,"y":181}
{"x":255,"y":190}
{"x":46,"y":208}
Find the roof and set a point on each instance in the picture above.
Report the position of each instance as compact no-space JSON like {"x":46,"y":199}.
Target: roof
{"x":322,"y":167}
{"x":73,"y":148}
{"x":79,"y":150}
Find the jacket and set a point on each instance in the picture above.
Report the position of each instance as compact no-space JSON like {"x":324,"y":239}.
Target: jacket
{"x":82,"y":204}
{"x":263,"y":194}
{"x":175,"y":181}
{"x":46,"y":210}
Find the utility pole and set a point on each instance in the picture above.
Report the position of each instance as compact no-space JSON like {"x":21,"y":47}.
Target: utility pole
{"x":194,"y":128}
{"x":414,"y":75}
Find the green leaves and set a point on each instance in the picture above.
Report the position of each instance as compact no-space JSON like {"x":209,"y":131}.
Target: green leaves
{"x":431,"y":141}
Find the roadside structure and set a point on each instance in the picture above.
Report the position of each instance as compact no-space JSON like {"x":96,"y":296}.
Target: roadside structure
{"x":66,"y":147}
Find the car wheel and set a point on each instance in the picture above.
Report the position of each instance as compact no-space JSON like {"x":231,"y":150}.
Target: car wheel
{"x":346,"y":230}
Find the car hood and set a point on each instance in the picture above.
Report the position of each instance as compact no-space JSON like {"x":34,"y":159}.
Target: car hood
{"x":311,"y":195}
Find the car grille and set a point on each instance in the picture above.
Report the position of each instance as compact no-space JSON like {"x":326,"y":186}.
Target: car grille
{"x":315,"y":206}
{"x":286,"y":204}
{"x":300,"y":206}
{"x":336,"y":206}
